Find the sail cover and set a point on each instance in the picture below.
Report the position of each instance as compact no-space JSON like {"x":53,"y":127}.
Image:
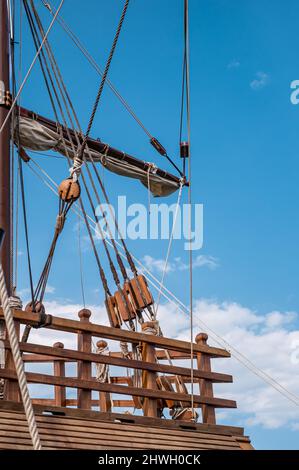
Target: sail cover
{"x":41,"y":134}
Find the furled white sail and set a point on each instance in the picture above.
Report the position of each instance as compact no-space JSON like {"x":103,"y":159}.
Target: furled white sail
{"x":34,"y":135}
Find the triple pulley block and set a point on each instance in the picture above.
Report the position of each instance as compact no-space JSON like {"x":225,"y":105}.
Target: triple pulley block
{"x":128,"y":303}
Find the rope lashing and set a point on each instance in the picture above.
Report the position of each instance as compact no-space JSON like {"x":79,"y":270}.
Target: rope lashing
{"x":75,"y":170}
{"x":19,"y":365}
{"x":151,"y":328}
{"x":102,"y":370}
{"x":125,"y":349}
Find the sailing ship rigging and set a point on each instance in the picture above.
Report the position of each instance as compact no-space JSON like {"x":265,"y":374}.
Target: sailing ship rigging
{"x":129,"y":301}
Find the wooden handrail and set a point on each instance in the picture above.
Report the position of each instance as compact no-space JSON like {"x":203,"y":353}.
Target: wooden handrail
{"x":119,"y":389}
{"x":101,"y":331}
{"x":73,"y":356}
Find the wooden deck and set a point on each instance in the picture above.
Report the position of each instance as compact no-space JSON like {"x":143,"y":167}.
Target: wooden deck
{"x":78,"y":429}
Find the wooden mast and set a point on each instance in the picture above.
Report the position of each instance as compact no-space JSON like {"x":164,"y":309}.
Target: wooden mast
{"x":5,"y":186}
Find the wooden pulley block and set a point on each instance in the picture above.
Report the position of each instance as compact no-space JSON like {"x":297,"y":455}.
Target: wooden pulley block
{"x":38,"y":308}
{"x":69,"y":190}
{"x":141,"y":292}
{"x":186,"y":415}
{"x":125,"y":306}
{"x":129,"y":292}
{"x":164,"y":384}
{"x":113,"y":313}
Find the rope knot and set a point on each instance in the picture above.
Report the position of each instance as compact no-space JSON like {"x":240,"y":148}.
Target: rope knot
{"x":60,"y":220}
{"x":151,"y":328}
{"x":102,"y":370}
{"x":75,"y":170}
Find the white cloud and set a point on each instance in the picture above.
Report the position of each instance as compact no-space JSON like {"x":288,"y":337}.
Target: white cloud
{"x":267,"y":340}
{"x":50,"y":289}
{"x":261,"y":80}
{"x":233,"y":64}
{"x":177,"y":264}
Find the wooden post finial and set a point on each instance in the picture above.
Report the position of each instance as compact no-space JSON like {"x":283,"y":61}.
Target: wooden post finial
{"x":101,"y":344}
{"x":84,"y":314}
{"x":201,"y":338}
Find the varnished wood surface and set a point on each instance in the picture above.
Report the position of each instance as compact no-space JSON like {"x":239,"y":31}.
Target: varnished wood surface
{"x":120,"y":389}
{"x":70,"y":432}
{"x":74,"y":326}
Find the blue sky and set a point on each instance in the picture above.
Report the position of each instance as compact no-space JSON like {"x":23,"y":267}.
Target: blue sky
{"x":244,"y":152}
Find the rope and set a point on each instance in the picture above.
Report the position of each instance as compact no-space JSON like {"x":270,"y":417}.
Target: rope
{"x":103,"y":81}
{"x":102,"y":370}
{"x":13,"y":339}
{"x":187,"y":72}
{"x":81,"y":263}
{"x":169,"y":248}
{"x":30,"y":69}
{"x":92,"y":61}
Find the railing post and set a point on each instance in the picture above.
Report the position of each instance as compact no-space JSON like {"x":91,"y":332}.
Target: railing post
{"x":102,"y":376}
{"x":59,"y":371}
{"x":11,"y":387}
{"x":149,"y":379}
{"x":205,"y":386}
{"x":84,"y":367}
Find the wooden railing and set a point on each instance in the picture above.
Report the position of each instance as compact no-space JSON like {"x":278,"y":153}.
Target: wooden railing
{"x":149,"y":396}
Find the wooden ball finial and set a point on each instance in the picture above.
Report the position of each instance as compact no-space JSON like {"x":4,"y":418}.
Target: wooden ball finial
{"x":101,"y":344}
{"x":84,"y":313}
{"x":69,"y":190}
{"x":201,"y":338}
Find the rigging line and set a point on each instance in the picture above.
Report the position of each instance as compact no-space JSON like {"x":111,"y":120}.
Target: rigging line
{"x":63,"y":89}
{"x":18,"y":166}
{"x":26,"y":228}
{"x":30,"y":69}
{"x":92,"y":61}
{"x":169,"y":296}
{"x":12,"y":147}
{"x":53,"y":65}
{"x":103,"y":81}
{"x":81,"y":262}
{"x":187,"y":74}
{"x":42,"y":59}
{"x":182,"y":107}
{"x":169,"y":248}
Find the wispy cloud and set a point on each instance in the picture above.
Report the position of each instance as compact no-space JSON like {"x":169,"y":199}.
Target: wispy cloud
{"x":177,"y":264}
{"x":261,"y":80}
{"x":233,"y":64}
{"x":50,"y":289}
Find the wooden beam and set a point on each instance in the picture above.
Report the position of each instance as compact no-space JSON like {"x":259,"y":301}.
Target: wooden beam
{"x":120,"y":389}
{"x":74,"y":402}
{"x":70,"y":354}
{"x":101,"y":331}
